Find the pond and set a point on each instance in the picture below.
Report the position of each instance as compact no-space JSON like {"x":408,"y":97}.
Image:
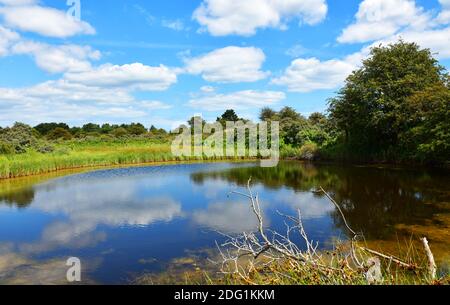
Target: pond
{"x":125,"y":222}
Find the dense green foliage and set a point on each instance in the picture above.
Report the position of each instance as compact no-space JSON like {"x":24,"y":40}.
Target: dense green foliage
{"x":396,"y":107}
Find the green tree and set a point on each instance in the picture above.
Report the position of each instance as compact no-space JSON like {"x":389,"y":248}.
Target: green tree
{"x":91,"y":128}
{"x":268,"y":114}
{"x":59,"y":133}
{"x":45,"y":128}
{"x":373,"y":110}
{"x":229,"y":116}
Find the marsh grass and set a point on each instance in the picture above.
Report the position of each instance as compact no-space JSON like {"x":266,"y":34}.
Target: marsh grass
{"x":73,"y":155}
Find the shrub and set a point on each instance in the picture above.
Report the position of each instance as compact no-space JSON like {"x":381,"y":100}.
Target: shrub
{"x":46,"y":149}
{"x":120,"y":132}
{"x":309,"y":152}
{"x":6,"y":149}
{"x":59,"y":133}
{"x":20,"y":137}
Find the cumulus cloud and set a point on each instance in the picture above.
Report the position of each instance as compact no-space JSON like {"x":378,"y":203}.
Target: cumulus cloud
{"x":240,"y":100}
{"x":45,"y":21}
{"x":7,"y":38}
{"x":444,"y":15}
{"x":310,"y":74}
{"x":377,"y":19}
{"x":229,"y":65}
{"x":136,"y":76}
{"x":225,"y":17}
{"x":63,"y":100}
{"x":377,"y":22}
{"x":58,"y":59}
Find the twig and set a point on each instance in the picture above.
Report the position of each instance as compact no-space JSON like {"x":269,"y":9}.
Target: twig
{"x":391,"y":259}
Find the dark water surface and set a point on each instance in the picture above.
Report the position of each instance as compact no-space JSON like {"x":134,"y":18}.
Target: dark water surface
{"x":124,"y":222}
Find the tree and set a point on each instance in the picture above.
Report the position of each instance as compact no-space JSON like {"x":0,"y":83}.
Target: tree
{"x":373,"y":110}
{"x":120,"y":132}
{"x":45,"y":128}
{"x":229,"y":116}
{"x":136,"y":129}
{"x":91,"y":128}
{"x":289,"y":113}
{"x":430,"y":136}
{"x":59,"y":133}
{"x":268,"y":114}
{"x":317,"y":119}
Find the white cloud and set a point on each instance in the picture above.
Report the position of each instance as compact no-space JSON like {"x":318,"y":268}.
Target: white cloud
{"x":309,"y":74}
{"x":62,"y":100}
{"x":218,"y":215}
{"x":386,"y":21}
{"x":135,"y":76}
{"x":309,"y":205}
{"x":444,"y":16}
{"x":437,"y":40}
{"x":93,"y":204}
{"x":176,"y":25}
{"x":225,"y":17}
{"x":229,"y":65}
{"x":7,"y":38}
{"x":18,"y":2}
{"x":45,"y":21}
{"x":58,"y":59}
{"x":237,"y":100}
{"x":377,"y":19}
{"x":207,"y":89}
{"x":296,"y":51}
{"x":377,"y":22}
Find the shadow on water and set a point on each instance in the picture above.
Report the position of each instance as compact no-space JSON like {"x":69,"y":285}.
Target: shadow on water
{"x":374,"y":200}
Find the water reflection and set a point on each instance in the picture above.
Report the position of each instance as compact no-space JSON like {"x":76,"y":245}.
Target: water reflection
{"x":123,"y":222}
{"x":373,"y":199}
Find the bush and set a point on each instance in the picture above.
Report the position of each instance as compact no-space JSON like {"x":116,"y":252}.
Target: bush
{"x":46,"y":149}
{"x":6,"y":149}
{"x":59,"y":133}
{"x":120,"y":132}
{"x":20,"y":137}
{"x":309,"y":152}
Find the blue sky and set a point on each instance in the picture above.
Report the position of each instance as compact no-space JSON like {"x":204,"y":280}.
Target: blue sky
{"x":160,"y":62}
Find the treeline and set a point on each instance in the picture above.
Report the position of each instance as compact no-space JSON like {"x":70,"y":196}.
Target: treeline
{"x":20,"y":138}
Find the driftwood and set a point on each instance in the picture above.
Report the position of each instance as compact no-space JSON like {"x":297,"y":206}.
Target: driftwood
{"x":432,"y":269}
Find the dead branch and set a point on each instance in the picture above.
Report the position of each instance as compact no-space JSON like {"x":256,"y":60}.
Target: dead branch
{"x":431,"y":263}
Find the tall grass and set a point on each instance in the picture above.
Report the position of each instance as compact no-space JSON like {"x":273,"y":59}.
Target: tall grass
{"x":78,"y":155}
{"x":73,"y":155}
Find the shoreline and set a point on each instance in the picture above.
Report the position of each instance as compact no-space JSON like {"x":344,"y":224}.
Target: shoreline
{"x":94,"y":167}
{"x":88,"y":168}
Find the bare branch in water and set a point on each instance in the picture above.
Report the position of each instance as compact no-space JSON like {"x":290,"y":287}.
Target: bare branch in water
{"x":242,"y":253}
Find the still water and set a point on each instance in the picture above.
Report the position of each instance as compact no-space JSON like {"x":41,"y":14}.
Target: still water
{"x":123,"y":223}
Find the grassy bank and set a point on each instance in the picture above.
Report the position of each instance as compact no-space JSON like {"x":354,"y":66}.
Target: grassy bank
{"x":72,"y":155}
